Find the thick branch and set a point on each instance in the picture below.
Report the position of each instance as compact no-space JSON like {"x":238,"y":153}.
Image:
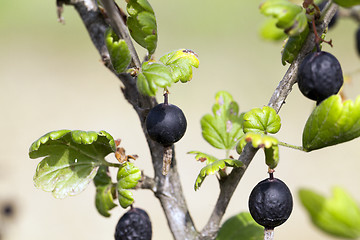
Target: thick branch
{"x":228,"y":186}
{"x":166,"y":188}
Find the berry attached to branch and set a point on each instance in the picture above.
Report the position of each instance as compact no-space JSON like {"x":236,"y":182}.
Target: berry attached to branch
{"x":166,"y":124}
{"x":320,"y":76}
{"x":270,"y":203}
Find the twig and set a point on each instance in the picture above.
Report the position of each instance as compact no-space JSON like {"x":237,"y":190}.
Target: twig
{"x":120,"y":28}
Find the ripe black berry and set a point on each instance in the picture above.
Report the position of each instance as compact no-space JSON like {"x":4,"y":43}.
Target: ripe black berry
{"x":166,"y":124}
{"x":134,"y":225}
{"x":270,"y":203}
{"x":320,"y":76}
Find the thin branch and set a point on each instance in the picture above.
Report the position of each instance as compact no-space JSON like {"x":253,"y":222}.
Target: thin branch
{"x":120,"y":28}
{"x":285,"y":86}
{"x":277,"y":100}
{"x":146,"y":182}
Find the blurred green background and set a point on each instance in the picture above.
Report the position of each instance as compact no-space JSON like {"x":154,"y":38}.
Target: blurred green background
{"x":52,"y":78}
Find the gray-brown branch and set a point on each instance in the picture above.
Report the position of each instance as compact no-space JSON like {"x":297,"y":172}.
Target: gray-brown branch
{"x":168,"y":188}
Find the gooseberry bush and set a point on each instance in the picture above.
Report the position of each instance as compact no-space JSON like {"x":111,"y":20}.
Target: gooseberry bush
{"x":71,"y":159}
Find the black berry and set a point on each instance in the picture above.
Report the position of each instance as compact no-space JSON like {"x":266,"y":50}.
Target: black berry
{"x":320,"y":76}
{"x":166,"y":124}
{"x":270,"y":203}
{"x":357,"y":40}
{"x":134,"y":225}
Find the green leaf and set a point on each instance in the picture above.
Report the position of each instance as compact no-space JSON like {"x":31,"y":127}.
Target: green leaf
{"x":181,"y":62}
{"x":332,"y":122}
{"x":128,"y":177}
{"x":142,"y":24}
{"x":264,"y":120}
{"x":152,"y":76}
{"x":118,"y":50}
{"x":72,"y":159}
{"x":338,"y":215}
{"x":269,"y":31}
{"x":213,"y":168}
{"x":290,"y":17}
{"x":347,"y":3}
{"x":105,"y":192}
{"x":241,"y":227}
{"x":259,"y":140}
{"x":293,"y":46}
{"x":224,"y":128}
{"x":203,"y":157}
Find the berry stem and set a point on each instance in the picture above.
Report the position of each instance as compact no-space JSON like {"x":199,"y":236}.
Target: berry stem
{"x":166,"y":97}
{"x":269,"y":234}
{"x":271,"y":174}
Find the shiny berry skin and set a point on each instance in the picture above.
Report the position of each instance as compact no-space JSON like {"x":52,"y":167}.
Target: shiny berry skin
{"x":166,"y":124}
{"x":270,"y":203}
{"x":134,"y":225}
{"x":320,"y":76}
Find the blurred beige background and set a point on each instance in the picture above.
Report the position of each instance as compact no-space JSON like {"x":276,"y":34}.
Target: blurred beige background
{"x":52,"y":78}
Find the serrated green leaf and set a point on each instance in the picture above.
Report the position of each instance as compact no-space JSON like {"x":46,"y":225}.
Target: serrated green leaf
{"x":118,"y":50}
{"x":128,"y":177}
{"x":105,"y":192}
{"x":181,"y":62}
{"x":293,"y":46}
{"x":269,"y":31}
{"x":290,"y":17}
{"x":338,"y":215}
{"x":152,"y":76}
{"x":264,"y":120}
{"x":260,"y":140}
{"x":213,"y":168}
{"x":142,"y":24}
{"x":203,"y":157}
{"x":71,"y":161}
{"x":332,"y":122}
{"x":224,"y":128}
{"x":241,"y":227}
{"x":347,"y":3}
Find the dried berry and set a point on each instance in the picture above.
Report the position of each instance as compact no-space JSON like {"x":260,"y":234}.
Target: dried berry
{"x":166,"y":124}
{"x":320,"y":76}
{"x":134,"y":225}
{"x":270,"y":203}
